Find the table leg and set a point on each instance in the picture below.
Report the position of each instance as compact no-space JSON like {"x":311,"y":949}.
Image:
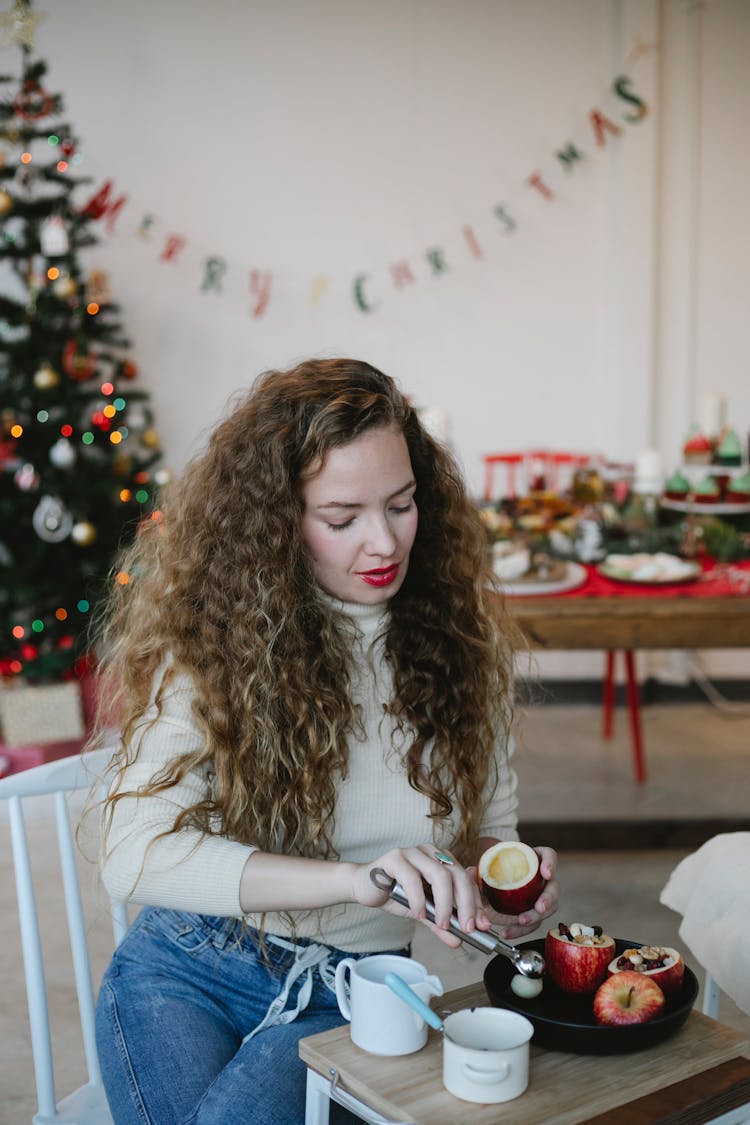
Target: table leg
{"x":608,"y":717}
{"x":639,"y":765}
{"x":317,"y":1101}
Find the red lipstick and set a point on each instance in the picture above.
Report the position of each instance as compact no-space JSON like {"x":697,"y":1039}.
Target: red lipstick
{"x":383,"y":576}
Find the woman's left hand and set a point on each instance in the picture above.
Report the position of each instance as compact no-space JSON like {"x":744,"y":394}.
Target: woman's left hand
{"x":511,"y":927}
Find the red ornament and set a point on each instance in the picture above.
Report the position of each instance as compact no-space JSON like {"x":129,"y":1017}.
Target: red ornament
{"x":77,"y":365}
{"x":65,"y":642}
{"x":29,"y":652}
{"x":129,"y":369}
{"x":32,"y":102}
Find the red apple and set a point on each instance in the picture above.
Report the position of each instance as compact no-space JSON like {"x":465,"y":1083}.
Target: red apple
{"x":627,"y":998}
{"x":509,"y":877}
{"x":577,"y":956}
{"x":661,"y":963}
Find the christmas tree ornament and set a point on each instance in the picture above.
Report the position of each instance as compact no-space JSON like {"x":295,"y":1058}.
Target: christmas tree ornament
{"x":19,"y":25}
{"x":27,"y":478}
{"x":51,"y":520}
{"x":129,"y":369}
{"x":162,"y":477}
{"x":32,"y":102}
{"x":150,"y":439}
{"x":6,"y":202}
{"x":97,"y":288}
{"x":78,"y":365}
{"x":62,"y":454}
{"x":64,"y":287}
{"x":137,"y":418}
{"x":53,"y":237}
{"x":45,"y":377}
{"x":83,"y":533}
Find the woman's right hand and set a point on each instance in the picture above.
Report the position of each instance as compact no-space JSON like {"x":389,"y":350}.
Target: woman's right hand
{"x":420,"y":873}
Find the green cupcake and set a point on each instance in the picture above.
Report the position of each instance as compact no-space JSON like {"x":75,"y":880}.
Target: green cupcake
{"x":707,"y":491}
{"x":677,"y":487}
{"x":729,"y":450}
{"x":738,"y":489}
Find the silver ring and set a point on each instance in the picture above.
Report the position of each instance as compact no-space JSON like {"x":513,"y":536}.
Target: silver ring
{"x":446,"y":860}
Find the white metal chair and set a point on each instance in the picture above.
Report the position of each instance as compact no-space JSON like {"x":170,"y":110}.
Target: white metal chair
{"x":87,"y":1105}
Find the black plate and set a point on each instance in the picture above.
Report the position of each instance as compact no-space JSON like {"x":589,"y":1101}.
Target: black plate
{"x":566,"y":1023}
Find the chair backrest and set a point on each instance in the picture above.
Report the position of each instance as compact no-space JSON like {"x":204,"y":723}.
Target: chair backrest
{"x":58,"y":779}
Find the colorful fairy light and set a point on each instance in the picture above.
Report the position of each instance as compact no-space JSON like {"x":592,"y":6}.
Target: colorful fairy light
{"x":83,"y":606}
{"x":52,"y":139}
{"x":37,"y":626}
{"x":42,"y":416}
{"x":87,"y":438}
{"x":119,"y":403}
{"x":92,"y":308}
{"x":26,"y":158}
{"x":61,"y":614}
{"x":62,"y":165}
{"x":141,"y":496}
{"x":115,"y":437}
{"x":107,"y":388}
{"x":66,"y":430}
{"x":53,"y":273}
{"x":19,"y":632}
{"x":109,"y":410}
{"x":16,"y":431}
{"x":125,"y":495}
{"x":122,"y":578}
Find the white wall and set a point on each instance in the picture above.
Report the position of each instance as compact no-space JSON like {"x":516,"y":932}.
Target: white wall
{"x":324,"y":139}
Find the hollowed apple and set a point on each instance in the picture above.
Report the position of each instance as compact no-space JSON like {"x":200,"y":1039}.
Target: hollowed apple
{"x":627,"y":998}
{"x":509,"y":877}
{"x":660,"y":963}
{"x":577,"y":956}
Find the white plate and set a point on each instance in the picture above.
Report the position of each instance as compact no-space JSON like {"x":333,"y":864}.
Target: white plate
{"x":665,"y":569}
{"x":575,"y":575}
{"x":718,"y":509}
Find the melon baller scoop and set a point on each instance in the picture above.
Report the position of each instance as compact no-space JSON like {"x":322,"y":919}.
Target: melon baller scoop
{"x":525,"y":961}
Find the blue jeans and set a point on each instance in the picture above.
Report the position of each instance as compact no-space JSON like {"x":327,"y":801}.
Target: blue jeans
{"x":180,"y":996}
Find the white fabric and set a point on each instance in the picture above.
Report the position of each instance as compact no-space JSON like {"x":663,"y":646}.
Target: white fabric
{"x":376,"y":809}
{"x":711,"y":889}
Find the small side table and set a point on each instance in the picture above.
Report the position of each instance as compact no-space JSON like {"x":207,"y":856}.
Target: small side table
{"x":697,"y":1076}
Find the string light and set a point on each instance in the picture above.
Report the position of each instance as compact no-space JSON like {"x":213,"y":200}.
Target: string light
{"x":107,"y":388}
{"x":119,"y":403}
{"x":66,"y":430}
{"x":16,"y":431}
{"x":53,"y":273}
{"x":109,"y":410}
{"x":26,"y":158}
{"x":52,"y":139}
{"x":61,"y":614}
{"x":92,"y":309}
{"x":83,"y":606}
{"x":141,"y":496}
{"x":122,"y":578}
{"x":16,"y":666}
{"x":126,"y":495}
{"x":37,"y":626}
{"x":62,"y":165}
{"x":42,"y":416}
{"x":115,"y":437}
{"x":19,"y":632}
{"x":87,"y":438}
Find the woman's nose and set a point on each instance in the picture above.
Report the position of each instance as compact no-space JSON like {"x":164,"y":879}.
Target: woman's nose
{"x":380,"y":538}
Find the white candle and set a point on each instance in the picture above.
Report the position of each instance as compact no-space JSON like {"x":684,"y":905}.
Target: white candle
{"x":712,"y":414}
{"x":648,"y":472}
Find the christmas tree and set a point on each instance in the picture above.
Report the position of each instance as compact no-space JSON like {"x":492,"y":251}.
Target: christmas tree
{"x":78,"y":452}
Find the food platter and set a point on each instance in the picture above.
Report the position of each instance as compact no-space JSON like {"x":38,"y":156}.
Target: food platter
{"x":649,"y":570}
{"x":566,"y":1023}
{"x":574,"y":575}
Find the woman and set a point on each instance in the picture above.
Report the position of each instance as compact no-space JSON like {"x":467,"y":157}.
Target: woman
{"x":314,"y":684}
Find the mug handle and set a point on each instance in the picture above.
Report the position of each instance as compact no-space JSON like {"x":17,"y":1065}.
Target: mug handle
{"x":342,"y":995}
{"x":486,"y":1077}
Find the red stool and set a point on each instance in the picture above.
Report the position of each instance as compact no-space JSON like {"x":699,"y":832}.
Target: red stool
{"x":634,"y":709}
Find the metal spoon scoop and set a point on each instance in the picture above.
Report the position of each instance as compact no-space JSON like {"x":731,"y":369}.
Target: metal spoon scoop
{"x":525,"y":961}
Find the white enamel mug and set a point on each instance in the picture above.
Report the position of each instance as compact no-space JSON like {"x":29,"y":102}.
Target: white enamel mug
{"x":380,"y":1022}
{"x":486,"y":1054}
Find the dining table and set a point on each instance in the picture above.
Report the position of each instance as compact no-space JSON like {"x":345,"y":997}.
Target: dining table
{"x":593,"y":611}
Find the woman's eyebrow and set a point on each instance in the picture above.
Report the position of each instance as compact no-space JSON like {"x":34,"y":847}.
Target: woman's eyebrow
{"x":357,"y":504}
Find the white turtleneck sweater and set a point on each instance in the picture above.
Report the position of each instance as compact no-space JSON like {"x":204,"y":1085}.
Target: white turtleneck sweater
{"x":376,"y":810}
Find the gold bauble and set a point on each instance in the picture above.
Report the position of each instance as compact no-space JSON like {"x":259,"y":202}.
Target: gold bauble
{"x":150,"y":439}
{"x":64,"y":287}
{"x":6,"y":202}
{"x":46,"y":377}
{"x":83,"y":533}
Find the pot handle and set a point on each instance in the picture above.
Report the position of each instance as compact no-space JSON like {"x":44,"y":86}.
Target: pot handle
{"x":409,"y":996}
{"x":487,"y":1077}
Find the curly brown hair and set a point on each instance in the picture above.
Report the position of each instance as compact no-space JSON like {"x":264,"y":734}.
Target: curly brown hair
{"x":223,"y":583}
